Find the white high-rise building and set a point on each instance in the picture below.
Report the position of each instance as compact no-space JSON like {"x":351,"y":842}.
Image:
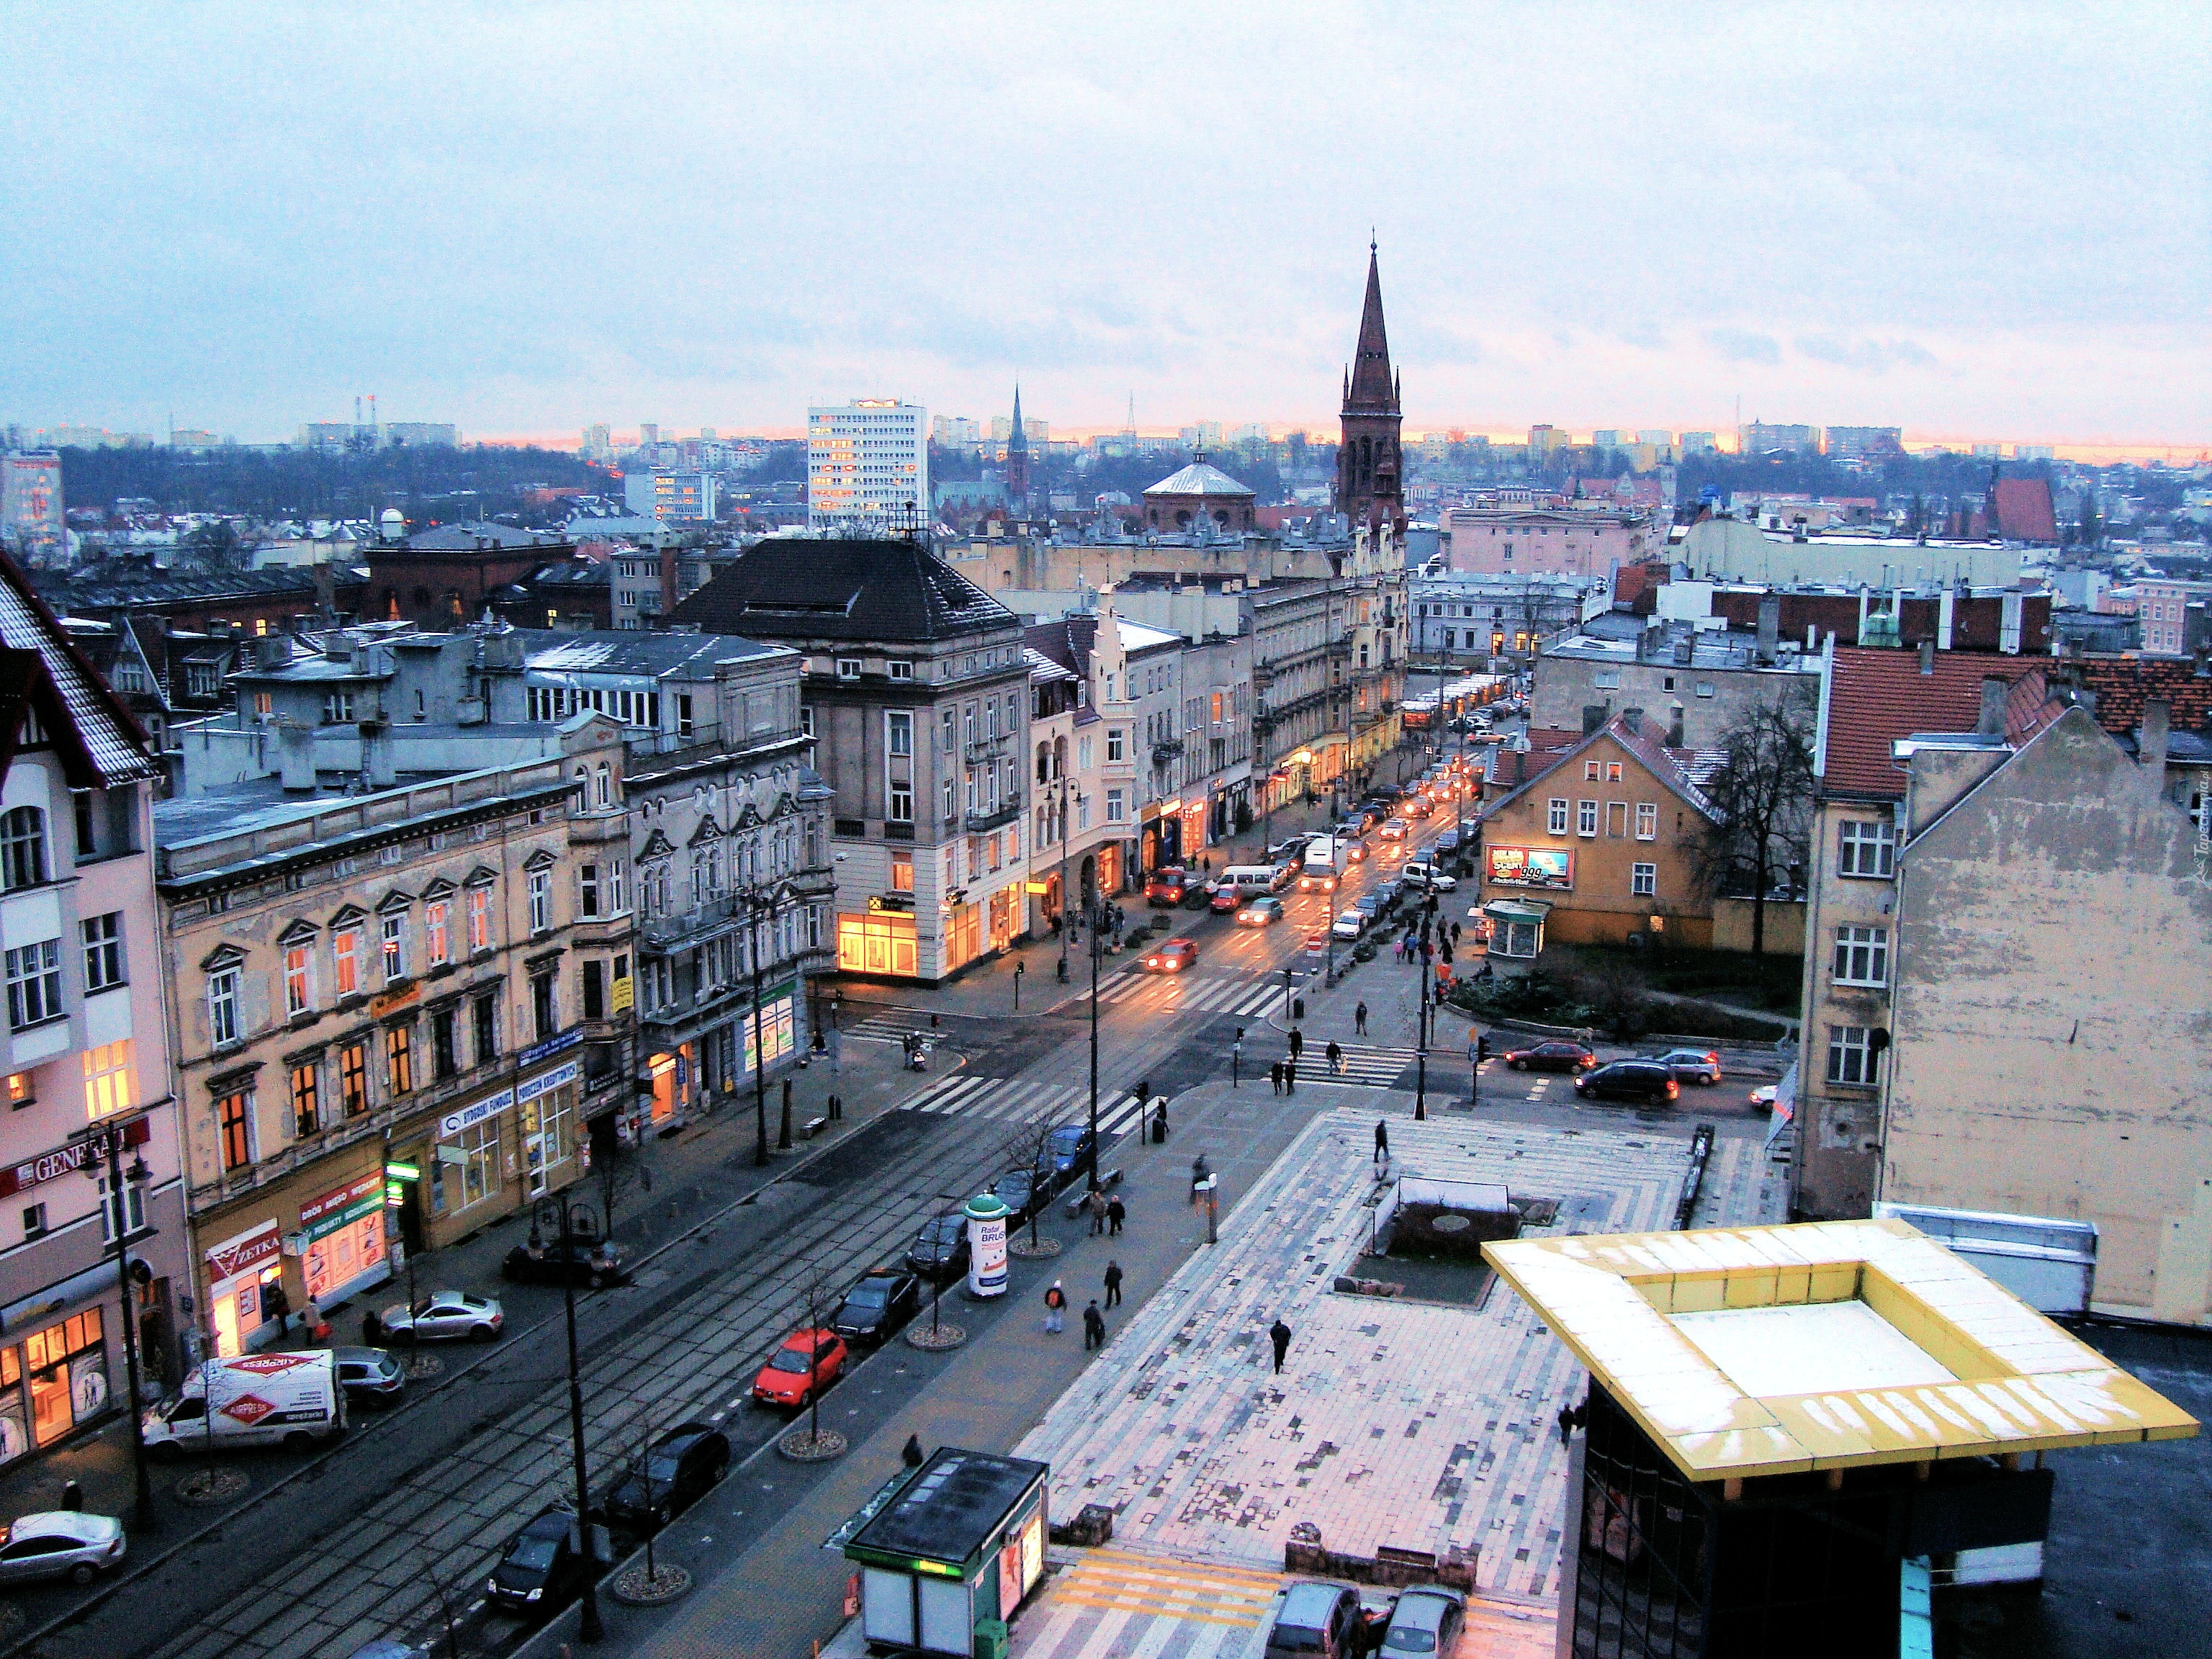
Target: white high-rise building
{"x":867,"y":464}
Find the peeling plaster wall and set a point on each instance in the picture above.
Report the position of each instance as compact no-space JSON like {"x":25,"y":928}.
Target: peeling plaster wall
{"x":2053,"y":1047}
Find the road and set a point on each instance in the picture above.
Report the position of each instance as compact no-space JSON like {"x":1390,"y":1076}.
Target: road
{"x":399,"y":1526}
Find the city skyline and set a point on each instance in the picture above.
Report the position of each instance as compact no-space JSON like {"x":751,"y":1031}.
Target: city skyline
{"x":1630,"y":222}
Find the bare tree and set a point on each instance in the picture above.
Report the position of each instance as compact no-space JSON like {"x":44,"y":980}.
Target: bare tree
{"x":1030,"y":1147}
{"x":818,"y":1301}
{"x":1763,"y":797}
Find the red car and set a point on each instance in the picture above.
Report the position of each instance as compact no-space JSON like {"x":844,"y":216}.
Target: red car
{"x":1166,"y":888}
{"x":1172,"y":957}
{"x":1551,"y":1057}
{"x":789,"y":1379}
{"x":1225,"y":898}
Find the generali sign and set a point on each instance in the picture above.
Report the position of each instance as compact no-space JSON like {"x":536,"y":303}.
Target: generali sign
{"x":69,"y":1160}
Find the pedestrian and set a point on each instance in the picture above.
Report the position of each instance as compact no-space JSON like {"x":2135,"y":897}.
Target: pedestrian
{"x":276,"y":1305}
{"x":1297,"y":1042}
{"x":1335,"y":1055}
{"x":1094,"y":1327}
{"x":1275,"y":1076}
{"x":1279,"y":1334}
{"x":912,"y":1454}
{"x":1197,"y":1176}
{"x":1055,"y":1300}
{"x":1382,"y":1141}
{"x":1290,"y":1077}
{"x":1454,"y":933}
{"x":1359,"y":1020}
{"x":312,"y":1322}
{"x":1160,"y":1122}
{"x":72,"y":1495}
{"x":1116,"y":1212}
{"x":1112,"y":1284}
{"x":1096,"y":1204}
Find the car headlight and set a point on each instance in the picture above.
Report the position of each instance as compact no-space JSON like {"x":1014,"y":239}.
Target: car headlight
{"x":534,"y":1594}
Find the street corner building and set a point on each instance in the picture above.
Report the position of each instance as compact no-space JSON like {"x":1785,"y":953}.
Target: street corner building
{"x":1806,"y":1441}
{"x":91,"y":1152}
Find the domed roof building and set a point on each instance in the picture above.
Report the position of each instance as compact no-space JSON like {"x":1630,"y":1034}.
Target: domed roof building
{"x":1200,"y":490}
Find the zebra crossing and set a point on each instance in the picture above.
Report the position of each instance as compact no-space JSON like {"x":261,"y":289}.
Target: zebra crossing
{"x":1012,"y":1100}
{"x":1173,"y":993}
{"x":891,"y":1026}
{"x":1368,"y":1067}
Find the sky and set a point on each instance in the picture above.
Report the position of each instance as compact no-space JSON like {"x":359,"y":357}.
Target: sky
{"x":1984,"y":221}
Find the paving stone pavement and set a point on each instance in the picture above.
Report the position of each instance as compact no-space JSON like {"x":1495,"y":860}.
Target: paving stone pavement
{"x":1419,"y":1425}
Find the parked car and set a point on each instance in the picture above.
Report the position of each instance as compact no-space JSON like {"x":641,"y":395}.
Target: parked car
{"x":1164,"y":888}
{"x":543,"y":1568}
{"x":1448,"y":841}
{"x":370,"y":1376}
{"x":582,"y":1262}
{"x":1024,"y":1193}
{"x":1260,"y":913}
{"x":674,"y":1471}
{"x":1422,"y":874}
{"x":1551,"y":1057}
{"x":1349,"y":925}
{"x":939,"y":1250}
{"x":882,"y":1300}
{"x":1069,"y":1147}
{"x":785,"y":1380}
{"x":1388,"y":889}
{"x":444,"y":1316}
{"x":1369,"y":905}
{"x":1692,"y":1065}
{"x":69,"y":1544}
{"x":1427,"y":1619}
{"x":1643,"y":1082}
{"x":1172,"y":957}
{"x":1315,"y":1620}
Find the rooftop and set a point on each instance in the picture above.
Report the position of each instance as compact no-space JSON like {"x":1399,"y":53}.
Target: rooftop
{"x":952,"y":1507}
{"x":1876,"y":698}
{"x":1200,"y":478}
{"x":843,"y":590}
{"x":1830,"y":1345}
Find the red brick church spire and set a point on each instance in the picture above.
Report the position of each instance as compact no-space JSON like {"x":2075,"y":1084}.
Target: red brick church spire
{"x":1370,"y":480}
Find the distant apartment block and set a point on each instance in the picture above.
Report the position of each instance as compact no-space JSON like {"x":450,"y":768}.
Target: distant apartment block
{"x":1580,"y":541}
{"x":1865,"y":443}
{"x":1698,"y":443}
{"x":672,"y":497}
{"x":1761,"y":438}
{"x":868,"y":462}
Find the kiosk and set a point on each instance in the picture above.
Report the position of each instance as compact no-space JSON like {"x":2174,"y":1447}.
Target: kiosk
{"x":950,"y":1554}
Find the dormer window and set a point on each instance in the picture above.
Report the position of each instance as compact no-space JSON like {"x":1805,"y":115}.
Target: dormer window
{"x":848,"y":668}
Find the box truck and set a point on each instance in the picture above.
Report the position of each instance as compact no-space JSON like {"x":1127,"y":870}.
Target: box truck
{"x":288,"y":1399}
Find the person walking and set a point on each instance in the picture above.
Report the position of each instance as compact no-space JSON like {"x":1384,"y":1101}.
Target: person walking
{"x":1160,"y":1122}
{"x":1335,"y":1055}
{"x":1382,"y":1142}
{"x":1197,"y":1176}
{"x":1279,"y":1334}
{"x":1094,"y":1327}
{"x":1454,"y":934}
{"x":1275,"y":1076}
{"x":1359,"y":1020}
{"x":1096,"y":1205}
{"x":1297,"y":1042}
{"x":1112,"y":1284}
{"x":1290,"y":1077}
{"x":1055,"y":1300}
{"x":1116,"y":1212}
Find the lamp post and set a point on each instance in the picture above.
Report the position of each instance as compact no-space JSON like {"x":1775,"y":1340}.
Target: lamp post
{"x":1096,"y":917}
{"x":589,"y":1629}
{"x":109,"y":1143}
{"x":755,"y":902}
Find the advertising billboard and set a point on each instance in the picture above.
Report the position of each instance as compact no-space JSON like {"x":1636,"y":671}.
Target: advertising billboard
{"x":1549,"y":869}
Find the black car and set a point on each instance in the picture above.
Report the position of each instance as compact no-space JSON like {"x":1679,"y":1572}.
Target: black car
{"x":544,"y":1567}
{"x":370,"y":1376}
{"x":585,"y":1263}
{"x":939,"y":1250}
{"x":874,"y":1309}
{"x":1645,"y":1082}
{"x":675,"y":1471}
{"x":1024,"y":1193}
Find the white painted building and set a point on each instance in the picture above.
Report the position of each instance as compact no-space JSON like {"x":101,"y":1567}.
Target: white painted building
{"x":867,"y":464}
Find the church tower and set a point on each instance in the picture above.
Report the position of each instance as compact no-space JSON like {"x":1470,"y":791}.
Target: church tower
{"x":1017,"y":460}
{"x":1370,"y":482}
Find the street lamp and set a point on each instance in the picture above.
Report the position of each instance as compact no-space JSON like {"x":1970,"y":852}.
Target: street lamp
{"x":590,"y":1629}
{"x":756,"y":902}
{"x":1097,"y":916}
{"x":108,"y":1144}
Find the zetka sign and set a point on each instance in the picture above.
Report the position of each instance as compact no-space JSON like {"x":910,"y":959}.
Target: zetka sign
{"x":69,"y":1159}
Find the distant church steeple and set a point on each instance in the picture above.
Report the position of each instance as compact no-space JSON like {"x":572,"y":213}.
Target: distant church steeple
{"x":1018,"y":457}
{"x":1370,"y":482}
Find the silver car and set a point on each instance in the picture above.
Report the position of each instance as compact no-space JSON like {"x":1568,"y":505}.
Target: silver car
{"x":1692,"y":1065}
{"x":60,"y":1544}
{"x":444,"y":1316}
{"x":1426,"y":1620}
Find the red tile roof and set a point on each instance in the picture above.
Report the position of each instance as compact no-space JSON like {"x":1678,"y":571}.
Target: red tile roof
{"x":2023,"y":510}
{"x":1670,"y":767}
{"x":1877,"y":696}
{"x":2123,"y":685}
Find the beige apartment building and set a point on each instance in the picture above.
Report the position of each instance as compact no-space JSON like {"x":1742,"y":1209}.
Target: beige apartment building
{"x":433,"y":975}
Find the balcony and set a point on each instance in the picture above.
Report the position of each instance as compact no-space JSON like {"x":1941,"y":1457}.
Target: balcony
{"x":977,"y":822}
{"x":1165,"y":753}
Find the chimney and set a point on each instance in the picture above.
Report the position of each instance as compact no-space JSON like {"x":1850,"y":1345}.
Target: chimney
{"x":1769,"y":626}
{"x":1633,"y":719}
{"x":2204,"y":663}
{"x":2150,"y":743}
{"x":1674,"y":728}
{"x":1992,"y":721}
{"x":1927,"y":656}
{"x":295,"y":757}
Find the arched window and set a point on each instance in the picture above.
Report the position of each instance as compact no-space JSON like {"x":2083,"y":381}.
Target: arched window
{"x":23,"y":848}
{"x":1060,"y":757}
{"x":604,"y":779}
{"x":1044,"y":763}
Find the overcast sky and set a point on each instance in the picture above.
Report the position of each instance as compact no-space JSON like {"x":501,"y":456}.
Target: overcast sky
{"x":1984,"y":221}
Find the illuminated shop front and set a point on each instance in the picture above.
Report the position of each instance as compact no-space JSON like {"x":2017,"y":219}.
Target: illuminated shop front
{"x":877,"y":942}
{"x":239,"y":1270}
{"x":53,"y":1379}
{"x":343,"y":1239}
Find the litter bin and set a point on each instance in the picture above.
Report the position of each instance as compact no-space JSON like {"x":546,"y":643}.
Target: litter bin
{"x":990,"y":1639}
{"x":1298,"y":1007}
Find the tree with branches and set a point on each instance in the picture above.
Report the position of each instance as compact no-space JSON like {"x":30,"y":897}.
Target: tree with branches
{"x":1030,"y":1147}
{"x":1762,"y":796}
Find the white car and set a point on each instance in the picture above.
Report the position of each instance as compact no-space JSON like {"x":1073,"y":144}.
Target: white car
{"x":1351,"y":925}
{"x":1424,"y":874}
{"x":60,"y":1544}
{"x":444,"y":1316}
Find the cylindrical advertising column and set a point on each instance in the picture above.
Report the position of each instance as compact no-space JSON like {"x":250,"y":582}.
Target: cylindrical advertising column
{"x":986,"y":1245}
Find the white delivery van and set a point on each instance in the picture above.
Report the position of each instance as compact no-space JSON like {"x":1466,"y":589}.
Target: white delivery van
{"x":288,"y":1399}
{"x":1254,"y":880}
{"x":1324,"y":865}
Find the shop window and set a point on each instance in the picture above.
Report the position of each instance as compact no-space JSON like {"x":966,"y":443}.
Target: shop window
{"x":306,"y":1097}
{"x":234,"y":1117}
{"x":23,"y":848}
{"x":103,"y":952}
{"x":483,"y":1027}
{"x":876,"y":945}
{"x":479,"y":1168}
{"x":399,"y":1059}
{"x":353,"y":1078}
{"x":108,"y":1079}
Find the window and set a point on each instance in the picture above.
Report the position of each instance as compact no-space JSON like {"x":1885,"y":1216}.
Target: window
{"x":1704,"y":688}
{"x":685,"y":727}
{"x":1862,"y":956}
{"x":86,"y":842}
{"x":1607,"y":679}
{"x":484,"y":1027}
{"x":1590,"y":771}
{"x":541,"y":900}
{"x":399,"y":1059}
{"x":445,"y":1054}
{"x":1113,"y":744}
{"x":223,"y":1006}
{"x":108,"y":1079}
{"x":588,"y":890}
{"x":23,"y":1091}
{"x":234,"y":1119}
{"x":353,"y":1078}
{"x":438,"y":933}
{"x":1612,"y":771}
{"x":338,"y":707}
{"x":603,"y":787}
{"x":345,"y":954}
{"x":23,"y":848}
{"x":34,"y":1220}
{"x":901,"y":670}
{"x":898,"y":730}
{"x":848,"y":668}
{"x":901,"y":807}
{"x":1558,"y":818}
{"x":1647,"y":821}
{"x":393,"y":929}
{"x":902,"y":873}
{"x":617,"y":894}
{"x":1114,"y":813}
{"x":1586,"y":817}
{"x":1851,"y":1055}
{"x":103,"y":952}
{"x":595,"y":989}
{"x":544,"y":1016}
{"x":1866,"y":848}
{"x":1643,"y":880}
{"x":130,"y":1214}
{"x":479,"y":917}
{"x":306,"y":1098}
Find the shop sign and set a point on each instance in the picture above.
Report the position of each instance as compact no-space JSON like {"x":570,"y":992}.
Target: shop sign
{"x":625,"y":997}
{"x":545,"y":1085}
{"x":379,"y":1006}
{"x":1546,"y":868}
{"x":333,"y":1211}
{"x":68,"y":1160}
{"x":468,"y":1116}
{"x":879,"y":903}
{"x":244,"y":1252}
{"x":552,"y":1045}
